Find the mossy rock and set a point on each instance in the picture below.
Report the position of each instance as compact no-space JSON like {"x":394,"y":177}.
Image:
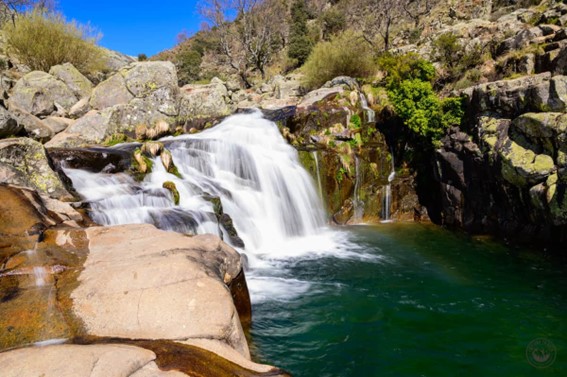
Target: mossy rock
{"x":170,"y":186}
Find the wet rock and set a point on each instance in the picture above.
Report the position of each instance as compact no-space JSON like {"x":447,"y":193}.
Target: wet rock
{"x":111,"y":160}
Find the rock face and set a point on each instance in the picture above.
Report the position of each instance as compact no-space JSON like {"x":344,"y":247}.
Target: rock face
{"x":24,"y":162}
{"x":140,"y":101}
{"x":504,"y":171}
{"x":79,"y":84}
{"x":41,"y":94}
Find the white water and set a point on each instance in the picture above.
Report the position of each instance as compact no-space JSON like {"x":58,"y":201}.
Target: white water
{"x":358,"y":205}
{"x":370,"y":114}
{"x":319,"y":185}
{"x":387,"y":203}
{"x":245,"y":162}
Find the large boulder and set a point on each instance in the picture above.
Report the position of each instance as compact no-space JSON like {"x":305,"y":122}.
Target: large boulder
{"x":110,"y":92}
{"x":79,"y":84}
{"x":204,"y":101}
{"x":123,"y":292}
{"x":115,"y":60}
{"x":24,"y":162}
{"x":41,"y":94}
{"x":152,"y":86}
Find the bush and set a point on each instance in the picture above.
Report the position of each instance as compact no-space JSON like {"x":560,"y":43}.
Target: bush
{"x":345,"y":54}
{"x":456,"y":58}
{"x":405,"y":67}
{"x":422,"y":111}
{"x":41,"y":40}
{"x":142,"y":57}
{"x":299,"y":44}
{"x":334,"y":21}
{"x":188,"y":64}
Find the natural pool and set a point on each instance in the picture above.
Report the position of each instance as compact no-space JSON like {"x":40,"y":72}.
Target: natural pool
{"x":411,"y":300}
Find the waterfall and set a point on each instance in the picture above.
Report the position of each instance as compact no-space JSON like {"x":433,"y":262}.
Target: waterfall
{"x":370,"y":114}
{"x":387,"y":192}
{"x":314,"y":153}
{"x":244,"y":161}
{"x":358,"y":205}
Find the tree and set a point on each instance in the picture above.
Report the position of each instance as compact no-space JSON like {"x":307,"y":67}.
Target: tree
{"x":299,"y":44}
{"x":248,"y":42}
{"x":10,"y":8}
{"x":378,"y":17}
{"x":416,"y":9}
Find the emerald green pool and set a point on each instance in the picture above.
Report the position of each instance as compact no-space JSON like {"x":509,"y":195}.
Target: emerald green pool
{"x":411,"y":300}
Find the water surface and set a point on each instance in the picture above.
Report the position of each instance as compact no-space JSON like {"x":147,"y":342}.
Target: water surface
{"x":409,"y":300}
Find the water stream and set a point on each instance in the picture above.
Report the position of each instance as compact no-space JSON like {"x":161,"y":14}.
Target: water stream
{"x":319,"y":185}
{"x":370,"y":114}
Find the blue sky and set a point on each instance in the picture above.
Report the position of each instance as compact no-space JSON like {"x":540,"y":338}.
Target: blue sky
{"x":134,"y":27}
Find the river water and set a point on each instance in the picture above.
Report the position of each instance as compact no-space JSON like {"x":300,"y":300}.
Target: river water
{"x":412,"y":300}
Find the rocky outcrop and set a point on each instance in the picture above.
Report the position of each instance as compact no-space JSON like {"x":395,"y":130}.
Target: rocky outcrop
{"x":503,"y":171}
{"x":139,"y":101}
{"x":41,"y":94}
{"x":128,"y":300}
{"x":24,"y":162}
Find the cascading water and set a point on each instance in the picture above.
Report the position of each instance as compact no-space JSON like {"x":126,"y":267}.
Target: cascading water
{"x":319,"y":185}
{"x":387,"y":201}
{"x":370,"y":114}
{"x":358,"y":205}
{"x":244,"y":161}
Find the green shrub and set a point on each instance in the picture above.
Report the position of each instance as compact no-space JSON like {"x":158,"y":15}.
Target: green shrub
{"x":42,"y":40}
{"x":299,"y":43}
{"x":188,"y":64}
{"x":142,"y":57}
{"x":422,"y":111}
{"x":345,"y":54}
{"x":456,"y":58}
{"x":333,"y":21}
{"x":405,"y":67}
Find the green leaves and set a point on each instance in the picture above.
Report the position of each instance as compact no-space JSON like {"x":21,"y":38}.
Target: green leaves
{"x":422,"y":111}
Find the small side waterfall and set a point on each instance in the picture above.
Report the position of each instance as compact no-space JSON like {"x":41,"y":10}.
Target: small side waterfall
{"x":320,"y":186}
{"x":244,"y":161}
{"x":358,"y":205}
{"x":370,"y":114}
{"x":387,"y":192}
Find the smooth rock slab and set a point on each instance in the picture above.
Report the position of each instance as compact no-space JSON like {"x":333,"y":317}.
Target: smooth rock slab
{"x":105,"y":360}
{"x":139,"y":282}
